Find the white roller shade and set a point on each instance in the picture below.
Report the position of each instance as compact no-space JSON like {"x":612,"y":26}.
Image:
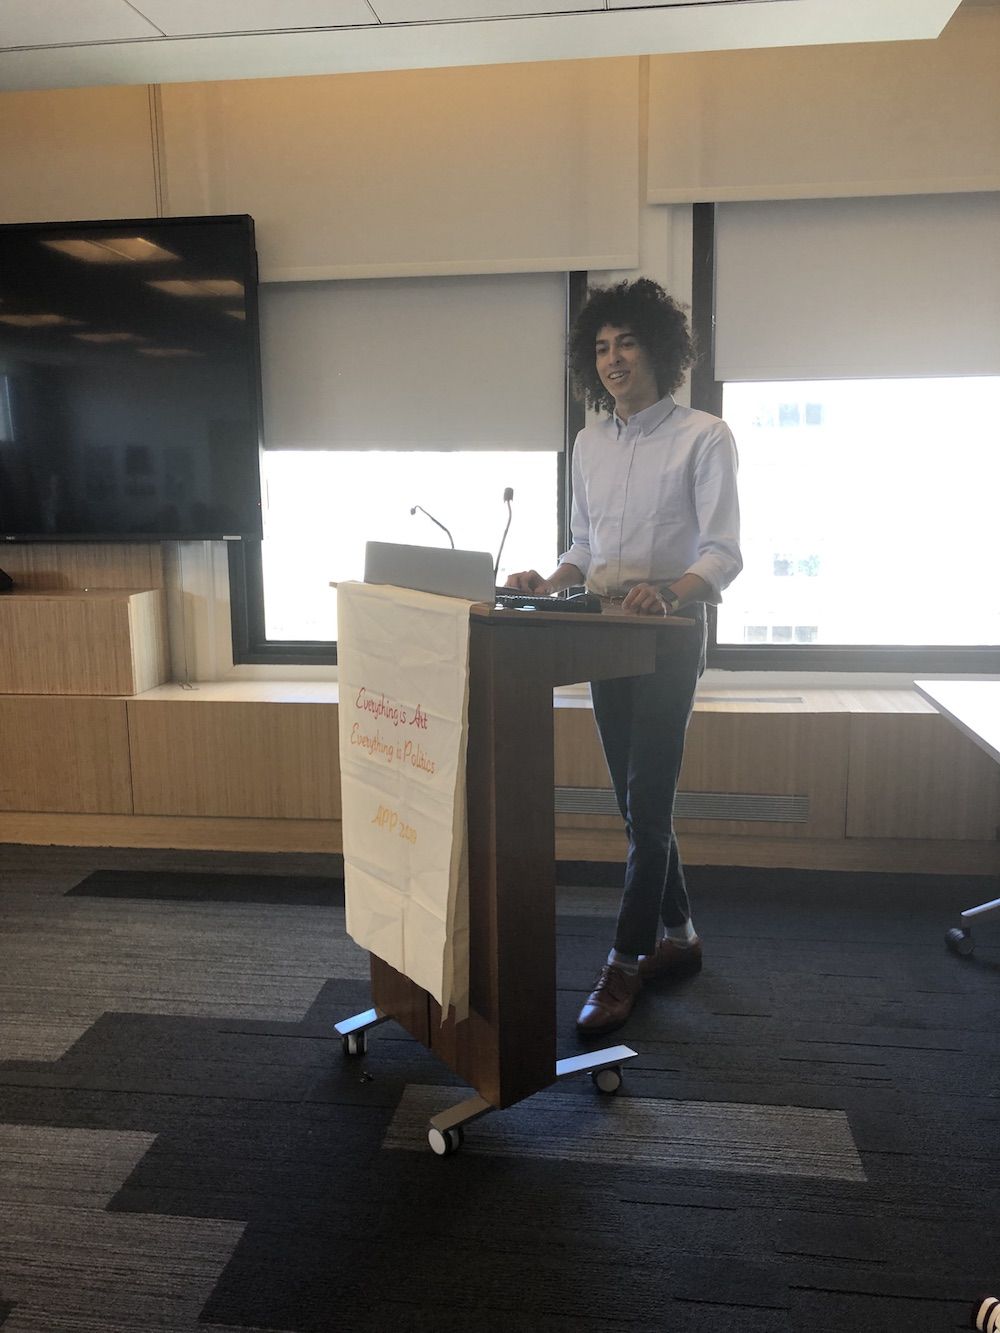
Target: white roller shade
{"x":415,"y":363}
{"x":858,"y":288}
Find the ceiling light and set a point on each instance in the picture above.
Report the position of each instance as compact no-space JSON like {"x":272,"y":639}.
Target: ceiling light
{"x":221,"y":286}
{"x":107,"y":337}
{"x":199,"y":286}
{"x":37,"y":321}
{"x":113,"y":250}
{"x":167,"y":351}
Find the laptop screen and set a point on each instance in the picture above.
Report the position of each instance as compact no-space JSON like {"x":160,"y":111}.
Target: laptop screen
{"x":466,"y":574}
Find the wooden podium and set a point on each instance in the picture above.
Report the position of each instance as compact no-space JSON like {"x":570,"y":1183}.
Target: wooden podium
{"x":506,"y":1048}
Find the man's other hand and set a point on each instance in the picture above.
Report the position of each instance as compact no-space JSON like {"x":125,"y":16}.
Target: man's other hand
{"x":530,"y":581}
{"x":644,"y":600}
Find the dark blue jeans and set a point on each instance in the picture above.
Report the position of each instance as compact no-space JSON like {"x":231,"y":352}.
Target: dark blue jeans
{"x":643,"y":721}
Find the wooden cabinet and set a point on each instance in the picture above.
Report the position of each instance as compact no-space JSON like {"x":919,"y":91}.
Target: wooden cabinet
{"x":64,"y":755}
{"x":208,"y":755}
{"x":861,"y":780}
{"x":824,"y":779}
{"x":88,"y":642}
{"x":919,"y":777}
{"x":773,"y":774}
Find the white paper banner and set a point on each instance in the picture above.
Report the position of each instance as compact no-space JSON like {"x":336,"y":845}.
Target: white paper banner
{"x":403,"y":668}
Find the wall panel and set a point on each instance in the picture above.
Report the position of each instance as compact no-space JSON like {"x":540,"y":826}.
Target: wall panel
{"x":826,"y":121}
{"x":76,"y":153}
{"x":41,"y":567}
{"x":488,"y":169}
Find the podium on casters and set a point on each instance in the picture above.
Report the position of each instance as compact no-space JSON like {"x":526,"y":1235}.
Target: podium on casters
{"x":506,"y":1048}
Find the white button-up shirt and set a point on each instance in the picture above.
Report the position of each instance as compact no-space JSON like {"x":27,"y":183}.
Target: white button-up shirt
{"x":655,"y":498}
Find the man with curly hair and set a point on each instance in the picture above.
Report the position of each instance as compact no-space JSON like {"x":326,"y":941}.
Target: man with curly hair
{"x":655,"y":524}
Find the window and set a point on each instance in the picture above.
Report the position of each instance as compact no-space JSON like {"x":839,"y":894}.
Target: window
{"x":382,"y":395}
{"x":324,"y":505}
{"x":863,"y":404}
{"x":883,"y":530}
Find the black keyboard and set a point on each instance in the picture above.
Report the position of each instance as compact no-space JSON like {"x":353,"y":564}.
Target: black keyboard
{"x":511,"y":600}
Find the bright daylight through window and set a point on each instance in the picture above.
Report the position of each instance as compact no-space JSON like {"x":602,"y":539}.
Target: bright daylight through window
{"x":323,"y":506}
{"x":869,"y":513}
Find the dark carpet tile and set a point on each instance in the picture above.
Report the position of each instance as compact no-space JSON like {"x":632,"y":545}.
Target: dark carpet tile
{"x":212,"y":887}
{"x":590,"y":874}
{"x":826,"y":992}
{"x":843,"y":888}
{"x":822,"y":1311}
{"x":85,"y":860}
{"x":445,"y":1263}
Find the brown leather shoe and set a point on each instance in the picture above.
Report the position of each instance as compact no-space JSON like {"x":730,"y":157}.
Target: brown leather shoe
{"x":610,"y":1002}
{"x":670,"y":961}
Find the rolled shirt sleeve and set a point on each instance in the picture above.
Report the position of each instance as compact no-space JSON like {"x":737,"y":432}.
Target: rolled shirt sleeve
{"x":717,"y":506}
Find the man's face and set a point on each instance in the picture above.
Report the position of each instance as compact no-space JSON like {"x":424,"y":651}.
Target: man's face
{"x":624,"y":368}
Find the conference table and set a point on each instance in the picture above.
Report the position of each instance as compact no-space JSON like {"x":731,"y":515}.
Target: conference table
{"x":973,"y":706}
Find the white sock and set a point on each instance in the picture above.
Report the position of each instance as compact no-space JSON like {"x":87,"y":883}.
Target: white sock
{"x":683,"y":936}
{"x":628,"y":962}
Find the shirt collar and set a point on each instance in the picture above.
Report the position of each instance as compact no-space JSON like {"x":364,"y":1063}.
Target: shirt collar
{"x":649,"y":419}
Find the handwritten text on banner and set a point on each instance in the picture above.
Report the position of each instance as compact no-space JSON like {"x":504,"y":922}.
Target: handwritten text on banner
{"x":403,"y":668}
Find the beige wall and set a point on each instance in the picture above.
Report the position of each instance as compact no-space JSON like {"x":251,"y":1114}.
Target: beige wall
{"x":76,"y":153}
{"x":515,"y":167}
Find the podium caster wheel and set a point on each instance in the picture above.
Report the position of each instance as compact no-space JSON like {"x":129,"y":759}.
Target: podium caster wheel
{"x":608,"y":1079}
{"x":354,"y":1044}
{"x":445,"y":1142}
{"x":960,"y":941}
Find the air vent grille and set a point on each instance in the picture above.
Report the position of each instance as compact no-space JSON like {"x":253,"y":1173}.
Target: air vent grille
{"x":740,"y":806}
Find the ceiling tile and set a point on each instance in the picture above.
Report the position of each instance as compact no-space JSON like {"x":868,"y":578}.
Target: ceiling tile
{"x":430,"y":11}
{"x":68,"y":22}
{"x":67,"y":57}
{"x":669,"y":4}
{"x":184,"y":18}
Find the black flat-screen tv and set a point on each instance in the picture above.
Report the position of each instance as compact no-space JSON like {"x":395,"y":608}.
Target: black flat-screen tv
{"x":129,"y":380}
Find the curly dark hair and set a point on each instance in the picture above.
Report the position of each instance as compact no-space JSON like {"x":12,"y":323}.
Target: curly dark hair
{"x":655,"y":318}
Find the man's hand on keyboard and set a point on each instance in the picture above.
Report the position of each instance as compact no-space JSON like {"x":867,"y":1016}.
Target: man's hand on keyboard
{"x":530,"y":581}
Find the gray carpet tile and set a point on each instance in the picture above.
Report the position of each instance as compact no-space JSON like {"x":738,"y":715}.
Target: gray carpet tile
{"x":67,"y":1269}
{"x":66,"y":960}
{"x":61,"y":1167}
{"x":663,"y":1134}
{"x":68,"y":1265}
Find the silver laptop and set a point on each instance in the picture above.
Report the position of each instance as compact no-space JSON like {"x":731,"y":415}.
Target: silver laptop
{"x":466,"y":574}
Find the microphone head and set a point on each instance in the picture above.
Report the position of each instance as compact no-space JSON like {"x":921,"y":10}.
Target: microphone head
{"x":508,"y":494}
{"x":413,"y":510}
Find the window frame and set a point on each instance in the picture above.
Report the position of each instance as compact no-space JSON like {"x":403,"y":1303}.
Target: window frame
{"x":706,"y":394}
{"x":252,"y":647}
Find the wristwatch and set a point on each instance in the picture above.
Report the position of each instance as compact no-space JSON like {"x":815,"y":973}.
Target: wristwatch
{"x":671,"y":601}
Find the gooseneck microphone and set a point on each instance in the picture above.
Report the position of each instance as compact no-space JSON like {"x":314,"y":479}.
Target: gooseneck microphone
{"x":508,"y":496}
{"x":434,"y":520}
